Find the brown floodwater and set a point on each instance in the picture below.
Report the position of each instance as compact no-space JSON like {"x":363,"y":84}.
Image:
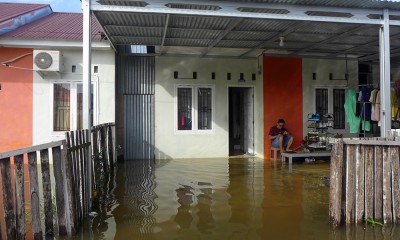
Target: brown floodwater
{"x":242,"y":198}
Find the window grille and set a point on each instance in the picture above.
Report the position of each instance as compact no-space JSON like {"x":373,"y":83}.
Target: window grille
{"x":184,"y":109}
{"x":204,"y":108}
{"x":321,"y":101}
{"x":62,"y":107}
{"x":338,"y":108}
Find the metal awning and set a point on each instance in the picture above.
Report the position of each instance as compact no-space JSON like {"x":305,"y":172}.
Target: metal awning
{"x":325,"y":29}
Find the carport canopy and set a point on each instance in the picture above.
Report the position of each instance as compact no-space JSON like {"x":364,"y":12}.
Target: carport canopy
{"x":351,"y":29}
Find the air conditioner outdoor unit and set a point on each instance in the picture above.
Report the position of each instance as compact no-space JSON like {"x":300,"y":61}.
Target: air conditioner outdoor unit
{"x":47,"y":60}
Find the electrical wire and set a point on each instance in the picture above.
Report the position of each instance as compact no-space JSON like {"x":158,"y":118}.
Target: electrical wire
{"x":15,"y":59}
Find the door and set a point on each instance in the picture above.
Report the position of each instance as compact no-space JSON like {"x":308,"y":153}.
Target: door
{"x":241,"y":120}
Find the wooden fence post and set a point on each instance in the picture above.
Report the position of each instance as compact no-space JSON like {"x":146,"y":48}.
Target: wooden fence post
{"x":369,"y":182}
{"x":70,"y":185}
{"x":378,"y":215}
{"x":104,"y":150}
{"x":48,"y":202}
{"x":19,"y":196}
{"x":8,"y":203}
{"x":387,"y":193}
{"x":360,"y":187}
{"x":350,"y":184}
{"x":394,"y":155}
{"x":60,"y":190}
{"x":110,"y":145}
{"x":335,"y":197}
{"x":34,"y":192}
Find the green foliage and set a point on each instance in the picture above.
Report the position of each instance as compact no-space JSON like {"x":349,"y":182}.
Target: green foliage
{"x":373,"y":222}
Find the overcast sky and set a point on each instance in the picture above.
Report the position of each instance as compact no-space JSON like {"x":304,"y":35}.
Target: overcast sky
{"x":56,"y":5}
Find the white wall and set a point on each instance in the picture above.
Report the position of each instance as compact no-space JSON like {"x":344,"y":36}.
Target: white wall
{"x":322,"y":68}
{"x":169,"y":144}
{"x":42,"y":90}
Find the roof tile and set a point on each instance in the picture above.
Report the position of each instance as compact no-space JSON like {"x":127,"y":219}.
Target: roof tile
{"x":62,"y":26}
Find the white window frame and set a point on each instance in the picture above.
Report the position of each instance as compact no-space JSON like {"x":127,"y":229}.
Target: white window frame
{"x":330,"y":98}
{"x":195,"y":113}
{"x":73,"y":104}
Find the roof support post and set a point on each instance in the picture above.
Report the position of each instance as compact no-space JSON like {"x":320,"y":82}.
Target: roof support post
{"x":384,"y":45}
{"x":87,"y":55}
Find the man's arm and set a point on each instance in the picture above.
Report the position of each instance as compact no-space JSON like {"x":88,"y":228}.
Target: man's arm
{"x":273,"y":137}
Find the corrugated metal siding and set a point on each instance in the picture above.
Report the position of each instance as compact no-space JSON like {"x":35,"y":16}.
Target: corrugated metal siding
{"x":136,"y":77}
{"x":131,"y":19}
{"x":139,"y":126}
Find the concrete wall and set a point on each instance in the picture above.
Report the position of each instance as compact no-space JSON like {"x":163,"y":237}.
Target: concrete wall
{"x":322,"y":68}
{"x":42,"y":92}
{"x":15,"y":99}
{"x":170,"y":144}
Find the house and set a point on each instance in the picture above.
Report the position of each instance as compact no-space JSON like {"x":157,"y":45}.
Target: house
{"x":39,"y":105}
{"x":199,"y":80}
{"x":222,"y":73}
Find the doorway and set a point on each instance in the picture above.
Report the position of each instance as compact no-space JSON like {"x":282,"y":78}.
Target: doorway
{"x":241,"y":120}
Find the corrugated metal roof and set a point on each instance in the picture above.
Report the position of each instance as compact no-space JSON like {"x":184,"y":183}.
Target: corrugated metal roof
{"x":11,"y":10}
{"x":377,"y":4}
{"x":63,"y":26}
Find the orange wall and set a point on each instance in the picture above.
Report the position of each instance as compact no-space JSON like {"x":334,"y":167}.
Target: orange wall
{"x":283,"y":97}
{"x":16,"y":98}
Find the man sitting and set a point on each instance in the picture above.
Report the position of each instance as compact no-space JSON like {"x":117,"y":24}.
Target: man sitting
{"x":280,"y":137}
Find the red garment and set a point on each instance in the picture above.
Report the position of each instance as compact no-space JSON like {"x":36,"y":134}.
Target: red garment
{"x":276,"y":131}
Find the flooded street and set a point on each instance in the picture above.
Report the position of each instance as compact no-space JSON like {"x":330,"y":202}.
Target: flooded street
{"x":220,"y":199}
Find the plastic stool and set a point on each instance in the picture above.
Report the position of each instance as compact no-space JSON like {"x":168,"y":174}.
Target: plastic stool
{"x":274,"y":153}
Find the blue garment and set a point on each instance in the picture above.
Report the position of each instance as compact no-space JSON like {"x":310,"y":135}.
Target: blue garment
{"x":286,"y":139}
{"x":366,"y":105}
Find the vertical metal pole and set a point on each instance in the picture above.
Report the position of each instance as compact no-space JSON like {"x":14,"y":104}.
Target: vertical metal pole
{"x":386,"y":116}
{"x":87,"y":54}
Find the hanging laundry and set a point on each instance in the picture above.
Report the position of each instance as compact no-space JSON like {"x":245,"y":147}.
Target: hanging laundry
{"x":378,"y":107}
{"x":350,"y":109}
{"x":372,"y":100}
{"x":394,"y":104}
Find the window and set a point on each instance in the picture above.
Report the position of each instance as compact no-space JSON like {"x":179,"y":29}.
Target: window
{"x":68,"y":104}
{"x":204,"y":108}
{"x":194,"y":106}
{"x":185,"y":109}
{"x":321,"y":101}
{"x":338,"y":109}
{"x":331,"y":100}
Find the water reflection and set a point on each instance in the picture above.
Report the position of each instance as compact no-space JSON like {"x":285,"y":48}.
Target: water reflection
{"x":221,"y":199}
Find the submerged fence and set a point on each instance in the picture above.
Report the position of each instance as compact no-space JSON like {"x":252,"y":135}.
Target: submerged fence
{"x":70,"y":195}
{"x":365,"y":181}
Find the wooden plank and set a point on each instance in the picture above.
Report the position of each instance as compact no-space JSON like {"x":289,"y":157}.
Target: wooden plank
{"x":70,"y":185}
{"x":335,"y":196}
{"x":34,"y":192}
{"x":360,"y":181}
{"x":114,"y":143}
{"x":378,"y":209}
{"x":88,"y":162}
{"x":19,"y":196}
{"x":103,"y":144}
{"x":387,"y":191}
{"x":369,"y":182}
{"x":350,"y":184}
{"x":8,"y":203}
{"x":60,"y":190}
{"x":110,"y":146}
{"x":389,"y":142}
{"x":47,"y":196}
{"x":30,"y":149}
{"x":82,"y":176}
{"x":394,"y":155}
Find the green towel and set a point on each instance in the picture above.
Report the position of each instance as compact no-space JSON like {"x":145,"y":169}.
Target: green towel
{"x":350,"y":108}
